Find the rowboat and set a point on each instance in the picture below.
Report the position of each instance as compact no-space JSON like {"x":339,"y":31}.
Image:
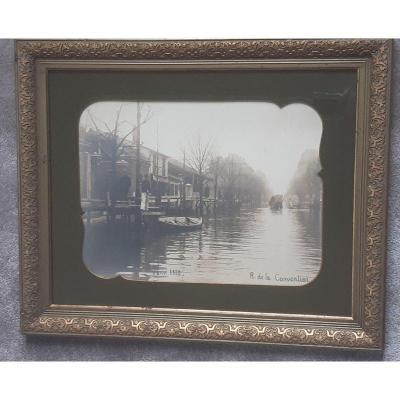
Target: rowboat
{"x":180,"y":223}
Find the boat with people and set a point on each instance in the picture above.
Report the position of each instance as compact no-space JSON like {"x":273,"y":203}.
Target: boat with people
{"x":180,"y":224}
{"x":275,"y":203}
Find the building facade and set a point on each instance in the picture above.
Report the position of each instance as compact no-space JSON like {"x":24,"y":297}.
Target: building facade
{"x":103,"y":177}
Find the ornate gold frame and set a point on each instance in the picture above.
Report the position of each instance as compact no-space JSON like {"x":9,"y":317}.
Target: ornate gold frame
{"x":363,"y":330}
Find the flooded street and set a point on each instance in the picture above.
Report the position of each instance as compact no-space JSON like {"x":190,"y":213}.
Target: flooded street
{"x":257,"y":246}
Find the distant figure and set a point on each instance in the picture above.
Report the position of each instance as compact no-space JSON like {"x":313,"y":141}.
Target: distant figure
{"x":144,"y":203}
{"x":145,"y":185}
{"x":207,"y":191}
{"x":120,"y":189}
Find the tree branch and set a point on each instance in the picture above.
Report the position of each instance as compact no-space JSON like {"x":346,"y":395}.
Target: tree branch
{"x":131,"y":131}
{"x":117,"y":119}
{"x":95,"y":124}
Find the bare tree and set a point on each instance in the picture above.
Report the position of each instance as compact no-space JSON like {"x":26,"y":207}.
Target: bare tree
{"x":240,"y":183}
{"x":231,"y":176}
{"x":110,"y":140}
{"x":198,"y":158}
{"x":306,"y":184}
{"x":215,"y":169}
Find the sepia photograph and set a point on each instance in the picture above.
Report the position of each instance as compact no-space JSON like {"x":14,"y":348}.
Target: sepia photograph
{"x":221,"y":192}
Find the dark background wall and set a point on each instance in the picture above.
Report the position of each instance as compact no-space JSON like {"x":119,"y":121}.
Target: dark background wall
{"x":15,"y":346}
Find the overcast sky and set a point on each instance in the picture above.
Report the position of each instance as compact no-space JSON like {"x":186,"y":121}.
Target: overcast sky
{"x":270,"y":139}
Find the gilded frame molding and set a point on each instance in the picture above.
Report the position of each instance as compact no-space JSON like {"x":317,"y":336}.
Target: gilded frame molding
{"x":363,"y":330}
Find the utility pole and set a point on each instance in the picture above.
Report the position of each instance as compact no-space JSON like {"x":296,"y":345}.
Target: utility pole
{"x":138,"y":191}
{"x":158,"y":200}
{"x":183,"y":180}
{"x":216,"y":174}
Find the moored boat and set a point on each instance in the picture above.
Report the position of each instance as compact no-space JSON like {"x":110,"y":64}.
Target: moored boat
{"x":180,"y":223}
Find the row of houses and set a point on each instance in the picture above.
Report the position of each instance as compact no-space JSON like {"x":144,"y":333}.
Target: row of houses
{"x":160,"y":175}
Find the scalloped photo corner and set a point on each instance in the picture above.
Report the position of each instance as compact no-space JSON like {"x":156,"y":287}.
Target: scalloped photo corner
{"x":202,"y":192}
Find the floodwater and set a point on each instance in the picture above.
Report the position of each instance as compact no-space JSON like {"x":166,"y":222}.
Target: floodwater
{"x":255,"y":247}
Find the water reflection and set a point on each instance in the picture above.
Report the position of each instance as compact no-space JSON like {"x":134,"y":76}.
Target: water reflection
{"x":257,"y":246}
